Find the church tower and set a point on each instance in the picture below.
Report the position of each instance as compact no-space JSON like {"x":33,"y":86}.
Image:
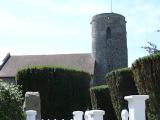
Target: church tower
{"x":109,"y":45}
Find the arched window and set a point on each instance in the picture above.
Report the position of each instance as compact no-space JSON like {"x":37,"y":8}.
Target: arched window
{"x":108,"y":33}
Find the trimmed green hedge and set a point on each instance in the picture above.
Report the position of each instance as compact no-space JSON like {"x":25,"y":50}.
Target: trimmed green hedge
{"x":10,"y":102}
{"x":62,"y":90}
{"x":146,"y":71}
{"x":100,"y":99}
{"x":120,"y":83}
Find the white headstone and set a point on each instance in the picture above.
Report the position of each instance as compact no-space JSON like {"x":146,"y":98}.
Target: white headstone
{"x":32,"y":102}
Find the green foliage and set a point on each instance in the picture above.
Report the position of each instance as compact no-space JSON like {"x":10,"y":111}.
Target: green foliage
{"x":62,"y":90}
{"x":10,"y":102}
{"x":120,"y":83}
{"x":146,"y":71}
{"x":99,"y":88}
{"x":100,"y":99}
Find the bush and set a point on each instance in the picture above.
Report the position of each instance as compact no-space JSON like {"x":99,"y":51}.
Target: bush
{"x":146,"y":71}
{"x":100,"y":99}
{"x":10,"y":102}
{"x":62,"y":90}
{"x":120,"y":83}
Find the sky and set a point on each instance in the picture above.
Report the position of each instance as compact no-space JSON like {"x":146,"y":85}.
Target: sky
{"x":29,"y":27}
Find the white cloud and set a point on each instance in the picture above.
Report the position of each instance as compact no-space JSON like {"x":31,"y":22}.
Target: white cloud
{"x":149,"y":16}
{"x":7,"y":20}
{"x":145,"y":7}
{"x":72,"y":7}
{"x":143,"y":18}
{"x":34,"y":2}
{"x":75,"y":8}
{"x":29,"y":26}
{"x":78,"y":8}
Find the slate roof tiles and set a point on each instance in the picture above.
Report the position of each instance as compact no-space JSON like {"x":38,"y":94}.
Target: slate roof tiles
{"x":83,"y":62}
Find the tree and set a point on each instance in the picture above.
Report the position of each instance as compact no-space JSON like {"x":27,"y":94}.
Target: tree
{"x":152,"y":48}
{"x":10,"y":102}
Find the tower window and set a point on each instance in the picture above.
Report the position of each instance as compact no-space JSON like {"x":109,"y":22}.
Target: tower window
{"x":108,"y":33}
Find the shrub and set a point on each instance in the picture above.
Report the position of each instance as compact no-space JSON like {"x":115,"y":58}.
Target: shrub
{"x":120,"y":83}
{"x":100,"y":99}
{"x":62,"y":90}
{"x":10,"y":102}
{"x":146,"y":71}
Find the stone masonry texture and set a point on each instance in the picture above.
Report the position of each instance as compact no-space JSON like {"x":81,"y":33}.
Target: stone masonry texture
{"x":109,"y":53}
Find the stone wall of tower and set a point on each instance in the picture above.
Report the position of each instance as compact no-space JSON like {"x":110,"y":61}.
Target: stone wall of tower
{"x":109,"y":44}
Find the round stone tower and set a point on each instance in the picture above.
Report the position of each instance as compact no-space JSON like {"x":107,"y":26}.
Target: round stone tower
{"x":109,"y":45}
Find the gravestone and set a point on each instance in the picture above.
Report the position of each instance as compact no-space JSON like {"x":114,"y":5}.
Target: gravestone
{"x":32,"y":102}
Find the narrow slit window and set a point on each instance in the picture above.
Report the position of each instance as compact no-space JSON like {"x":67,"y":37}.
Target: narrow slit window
{"x":108,"y":33}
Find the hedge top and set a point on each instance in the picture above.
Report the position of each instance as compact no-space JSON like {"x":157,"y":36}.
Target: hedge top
{"x":154,"y":56}
{"x":100,"y":87}
{"x":118,"y":71}
{"x":53,"y":68}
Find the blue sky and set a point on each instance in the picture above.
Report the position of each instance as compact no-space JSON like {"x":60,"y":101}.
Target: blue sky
{"x":63,"y":26}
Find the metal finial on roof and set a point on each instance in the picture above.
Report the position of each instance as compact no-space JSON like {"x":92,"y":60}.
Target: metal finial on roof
{"x":111,"y":6}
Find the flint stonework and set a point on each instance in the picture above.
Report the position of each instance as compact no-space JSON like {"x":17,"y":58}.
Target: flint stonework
{"x":109,"y":45}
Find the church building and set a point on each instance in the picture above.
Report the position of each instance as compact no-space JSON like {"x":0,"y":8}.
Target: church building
{"x":109,"y":52}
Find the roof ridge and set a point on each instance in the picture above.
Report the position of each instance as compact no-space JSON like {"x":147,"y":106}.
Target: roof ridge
{"x":6,"y":58}
{"x":52,"y":54}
